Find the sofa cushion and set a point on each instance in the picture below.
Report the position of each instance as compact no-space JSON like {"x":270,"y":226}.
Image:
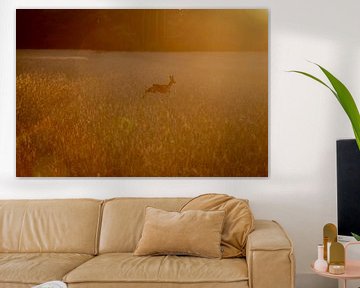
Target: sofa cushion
{"x":123,"y":220}
{"x":242,"y":284}
{"x":126,"y":268}
{"x":36,"y":268}
{"x":15,"y":285}
{"x":239,"y":220}
{"x":62,"y":226}
{"x":193,"y":232}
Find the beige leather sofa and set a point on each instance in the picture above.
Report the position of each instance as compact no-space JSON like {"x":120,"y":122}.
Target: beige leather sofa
{"x":89,"y":243}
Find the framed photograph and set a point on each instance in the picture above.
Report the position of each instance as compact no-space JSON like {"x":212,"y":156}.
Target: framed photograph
{"x":142,"y":93}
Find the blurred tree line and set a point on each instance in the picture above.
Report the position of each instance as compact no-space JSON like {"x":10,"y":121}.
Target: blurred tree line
{"x":143,"y":30}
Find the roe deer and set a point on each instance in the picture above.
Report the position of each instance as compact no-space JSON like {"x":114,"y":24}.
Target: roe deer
{"x":161,"y":88}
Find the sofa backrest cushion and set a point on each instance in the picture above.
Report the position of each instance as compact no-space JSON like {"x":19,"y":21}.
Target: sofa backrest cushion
{"x":239,"y":220}
{"x":64,"y":226}
{"x":123,"y":220}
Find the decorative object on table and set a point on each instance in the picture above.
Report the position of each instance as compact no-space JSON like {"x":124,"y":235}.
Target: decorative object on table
{"x":95,"y":93}
{"x":329,"y":236}
{"x":337,"y":258}
{"x":320,"y":264}
{"x":351,"y":268}
{"x":52,"y":284}
{"x":333,"y":250}
{"x":336,"y":269}
{"x":344,"y":97}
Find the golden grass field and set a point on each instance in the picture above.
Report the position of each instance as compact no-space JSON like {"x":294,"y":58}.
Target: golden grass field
{"x":82,"y":113}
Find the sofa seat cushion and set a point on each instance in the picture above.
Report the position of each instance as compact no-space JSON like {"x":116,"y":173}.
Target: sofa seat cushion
{"x":125,"y":267}
{"x":242,"y":284}
{"x":15,"y":285}
{"x":36,"y":268}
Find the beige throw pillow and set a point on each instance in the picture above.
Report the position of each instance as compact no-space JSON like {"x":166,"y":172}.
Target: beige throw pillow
{"x":194,"y":232}
{"x":239,"y":220}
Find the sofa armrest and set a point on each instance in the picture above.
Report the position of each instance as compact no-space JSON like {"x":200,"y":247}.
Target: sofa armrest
{"x":269,"y":256}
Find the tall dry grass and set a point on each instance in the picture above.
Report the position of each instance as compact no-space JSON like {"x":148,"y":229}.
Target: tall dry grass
{"x":78,"y":117}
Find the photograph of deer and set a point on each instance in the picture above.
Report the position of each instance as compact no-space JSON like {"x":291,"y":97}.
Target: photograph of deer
{"x":142,"y":93}
{"x":163,"y":89}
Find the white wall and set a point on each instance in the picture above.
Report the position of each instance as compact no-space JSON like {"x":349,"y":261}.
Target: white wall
{"x":305,"y":120}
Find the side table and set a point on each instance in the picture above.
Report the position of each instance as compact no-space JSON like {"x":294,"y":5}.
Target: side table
{"x":352,"y":269}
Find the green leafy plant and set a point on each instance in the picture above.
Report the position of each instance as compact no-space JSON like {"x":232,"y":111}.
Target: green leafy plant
{"x":344,"y":97}
{"x":356,"y":236}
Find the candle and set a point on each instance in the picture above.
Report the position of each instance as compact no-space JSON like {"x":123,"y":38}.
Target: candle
{"x":336,"y":269}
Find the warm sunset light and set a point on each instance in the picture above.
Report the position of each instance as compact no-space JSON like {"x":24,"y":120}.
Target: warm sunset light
{"x":143,"y":30}
{"x":142,"y":93}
